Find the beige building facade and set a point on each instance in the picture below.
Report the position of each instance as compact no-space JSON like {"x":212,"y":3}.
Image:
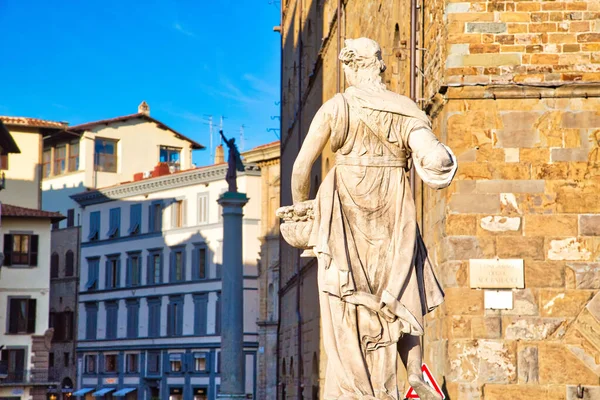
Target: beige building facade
{"x":512,"y":88}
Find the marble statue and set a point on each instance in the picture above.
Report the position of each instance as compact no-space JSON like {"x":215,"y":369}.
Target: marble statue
{"x":234,"y":163}
{"x":375,"y":280}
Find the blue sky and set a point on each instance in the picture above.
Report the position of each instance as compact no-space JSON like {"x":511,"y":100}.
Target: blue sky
{"x":80,"y":61}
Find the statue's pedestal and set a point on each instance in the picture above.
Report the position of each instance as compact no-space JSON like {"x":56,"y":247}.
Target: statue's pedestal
{"x":232,"y":298}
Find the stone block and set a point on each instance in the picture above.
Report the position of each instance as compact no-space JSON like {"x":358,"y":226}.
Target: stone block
{"x":534,"y":156}
{"x":514,"y":392}
{"x":534,"y":329}
{"x":550,"y":225}
{"x":473,"y":170}
{"x":508,"y":204}
{"x":464,"y":361}
{"x":511,"y":172}
{"x":474,"y":203}
{"x":464,"y":301}
{"x":485,"y":60}
{"x":461,"y":224}
{"x":570,"y":249}
{"x":486,"y":327}
{"x":517,"y":138}
{"x":594,"y":306}
{"x":465,"y":187}
{"x":520,"y":247}
{"x":511,"y":155}
{"x":544,"y":274}
{"x":452,"y":8}
{"x":569,"y":155}
{"x":497,"y":361}
{"x":589,"y":225}
{"x":563,"y":303}
{"x":571,"y":371}
{"x":513,"y":186}
{"x":462,"y":248}
{"x":582,"y":119}
{"x":500,"y":224}
{"x":459,"y":327}
{"x":486,"y":27}
{"x":586,"y":275}
{"x":454,"y":273}
{"x":528,"y":365}
{"x":524,"y":303}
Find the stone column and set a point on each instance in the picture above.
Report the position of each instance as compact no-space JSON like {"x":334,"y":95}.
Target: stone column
{"x":232,"y":298}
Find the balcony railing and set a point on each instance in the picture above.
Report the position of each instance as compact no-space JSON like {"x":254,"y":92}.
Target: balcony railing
{"x":25,"y":376}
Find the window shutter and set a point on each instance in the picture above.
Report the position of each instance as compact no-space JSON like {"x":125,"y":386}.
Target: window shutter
{"x":13,"y":322}
{"x":184,"y":206}
{"x":8,"y":246}
{"x":31,"y":312}
{"x":149,"y":271}
{"x":195,"y":264}
{"x":33,"y":251}
{"x":128,"y":272}
{"x":150,"y":218}
{"x":118,"y":280}
{"x":107,"y":274}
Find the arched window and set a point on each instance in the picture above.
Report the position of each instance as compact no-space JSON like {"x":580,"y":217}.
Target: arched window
{"x":54,"y":266}
{"x":69,"y":263}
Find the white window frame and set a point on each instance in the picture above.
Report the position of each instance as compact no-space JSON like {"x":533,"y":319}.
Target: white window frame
{"x":203,"y":208}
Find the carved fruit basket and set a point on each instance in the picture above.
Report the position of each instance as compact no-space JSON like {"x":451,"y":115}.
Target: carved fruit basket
{"x":297,"y":223}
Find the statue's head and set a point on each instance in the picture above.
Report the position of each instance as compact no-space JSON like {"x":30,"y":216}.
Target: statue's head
{"x":362,"y":62}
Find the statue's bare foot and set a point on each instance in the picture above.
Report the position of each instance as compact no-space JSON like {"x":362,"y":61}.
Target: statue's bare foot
{"x":424,"y":391}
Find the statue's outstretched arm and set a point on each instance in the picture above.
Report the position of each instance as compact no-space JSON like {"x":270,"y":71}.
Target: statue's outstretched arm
{"x":434,"y":162}
{"x":313,"y":145}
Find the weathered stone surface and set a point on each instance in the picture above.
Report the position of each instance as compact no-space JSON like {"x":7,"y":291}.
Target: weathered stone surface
{"x":589,"y":225}
{"x":568,"y":155}
{"x":497,"y":361}
{"x":571,"y":370}
{"x":515,"y":392}
{"x":582,"y":119}
{"x":460,"y":326}
{"x":550,"y":225}
{"x":523,"y":303}
{"x":533,"y":329}
{"x":486,"y":27}
{"x":474,"y":203}
{"x":563,"y":303}
{"x":545,"y":274}
{"x":454,"y":273}
{"x":500,"y":224}
{"x":467,"y":247}
{"x":486,"y":327}
{"x":511,"y":155}
{"x":568,"y":249}
{"x":520,"y":247}
{"x":464,"y":301}
{"x":528,"y":365}
{"x":513,"y":186}
{"x":594,"y":306}
{"x":508,"y":203}
{"x":589,"y":392}
{"x":587,"y":275}
{"x":461,"y":224}
{"x":464,"y":360}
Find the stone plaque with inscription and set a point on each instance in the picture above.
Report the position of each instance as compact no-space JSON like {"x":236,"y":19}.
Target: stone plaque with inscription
{"x":496,"y":274}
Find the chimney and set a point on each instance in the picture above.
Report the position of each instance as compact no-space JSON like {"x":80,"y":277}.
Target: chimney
{"x":144,"y":108}
{"x":219,"y":155}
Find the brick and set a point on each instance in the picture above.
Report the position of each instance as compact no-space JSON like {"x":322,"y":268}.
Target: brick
{"x":590,"y":47}
{"x":505,"y":39}
{"x":553,"y":6}
{"x":520,"y":247}
{"x":550,"y":225}
{"x":452,"y":8}
{"x":543,"y":27}
{"x":589,"y":225}
{"x":484,"y":48}
{"x":588,"y":37}
{"x":516,"y":28}
{"x":579,"y":26}
{"x":464,"y":38}
{"x":571,"y":48}
{"x":539,"y":17}
{"x":504,"y":186}
{"x":496,"y":7}
{"x":528,"y":6}
{"x":471,"y":16}
{"x":486,"y":27}
{"x":562,"y":38}
{"x":544,"y":59}
{"x":515,"y":17}
{"x":546,"y":274}
{"x":577,"y":5}
{"x":512,"y":49}
{"x":461,"y":224}
{"x":528,"y":39}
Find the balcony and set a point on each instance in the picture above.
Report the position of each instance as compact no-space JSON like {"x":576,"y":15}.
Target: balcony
{"x":25,"y":377}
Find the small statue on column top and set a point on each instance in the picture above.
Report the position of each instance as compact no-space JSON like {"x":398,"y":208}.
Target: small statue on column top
{"x":234,"y":163}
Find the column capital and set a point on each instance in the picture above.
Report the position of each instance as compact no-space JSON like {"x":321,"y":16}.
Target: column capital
{"x":233,"y":199}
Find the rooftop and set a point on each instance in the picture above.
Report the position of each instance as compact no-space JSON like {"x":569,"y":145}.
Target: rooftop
{"x":32,"y":122}
{"x":10,"y":211}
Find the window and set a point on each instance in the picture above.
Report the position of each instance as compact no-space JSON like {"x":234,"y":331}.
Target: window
{"x":15,"y":362}
{"x":155,"y":217}
{"x":4,"y":162}
{"x":90,"y":363}
{"x":63,"y":326}
{"x":113,"y":272}
{"x":54,"y":266}
{"x":175,"y":362}
{"x":175,"y":316}
{"x":21,"y":250}
{"x":115,"y":223}
{"x":112,"y":312}
{"x":135,"y":219}
{"x":21,"y":314}
{"x":60,"y":160}
{"x":69,"y":264}
{"x":70,"y":217}
{"x":200,"y":313}
{"x":201,"y":362}
{"x":177,"y":265}
{"x":68,"y":325}
{"x":134,"y":269}
{"x":133,"y":311}
{"x":74,"y":156}
{"x":154,"y":268}
{"x":105,"y":155}
{"x":91,"y":313}
{"x":46,"y":166}
{"x":218,"y":314}
{"x":132,"y":363}
{"x":203,"y":208}
{"x":110,"y":363}
{"x":178,"y":214}
{"x":154,"y":305}
{"x":94,"y":226}
{"x":93,"y":273}
{"x":154,"y":362}
{"x":170,"y":155}
{"x":66,"y":358}
{"x":51,"y":360}
{"x":200,"y":262}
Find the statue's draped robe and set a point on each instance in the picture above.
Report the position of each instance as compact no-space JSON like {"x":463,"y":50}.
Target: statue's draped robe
{"x":367,"y":242}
